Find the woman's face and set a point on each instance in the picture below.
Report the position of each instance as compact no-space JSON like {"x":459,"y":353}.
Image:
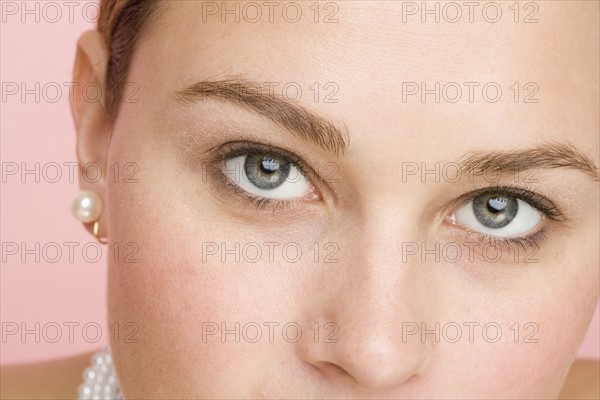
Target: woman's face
{"x":373,"y":269}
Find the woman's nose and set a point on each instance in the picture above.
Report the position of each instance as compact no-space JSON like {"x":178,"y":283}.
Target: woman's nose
{"x":369,"y":306}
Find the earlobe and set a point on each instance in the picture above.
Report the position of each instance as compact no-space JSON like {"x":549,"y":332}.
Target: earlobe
{"x":89,"y":115}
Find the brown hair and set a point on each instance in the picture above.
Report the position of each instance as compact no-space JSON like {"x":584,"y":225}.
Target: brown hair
{"x":121,"y":22}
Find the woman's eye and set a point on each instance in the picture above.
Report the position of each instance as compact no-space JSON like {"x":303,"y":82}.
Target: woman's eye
{"x":269,"y":176}
{"x":498,"y":215}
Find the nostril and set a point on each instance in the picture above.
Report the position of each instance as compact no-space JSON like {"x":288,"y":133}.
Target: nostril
{"x":412,"y":378}
{"x":332,"y":370}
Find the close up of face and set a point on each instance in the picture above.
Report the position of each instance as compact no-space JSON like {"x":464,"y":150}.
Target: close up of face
{"x":347,"y":201}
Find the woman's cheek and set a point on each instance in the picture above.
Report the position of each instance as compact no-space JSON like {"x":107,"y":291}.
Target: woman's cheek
{"x":514,"y":331}
{"x":178,"y":293}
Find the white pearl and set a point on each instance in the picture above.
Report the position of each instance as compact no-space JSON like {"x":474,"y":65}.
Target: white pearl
{"x":87,"y":206}
{"x":84,"y":391}
{"x":89,"y":374}
{"x":104,"y":368}
{"x":103,"y":383}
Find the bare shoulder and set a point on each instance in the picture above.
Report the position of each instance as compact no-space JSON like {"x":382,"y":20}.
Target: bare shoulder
{"x":583,"y":381}
{"x":56,"y":379}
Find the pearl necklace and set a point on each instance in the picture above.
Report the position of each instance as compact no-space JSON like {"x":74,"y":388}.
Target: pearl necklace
{"x":99,"y":379}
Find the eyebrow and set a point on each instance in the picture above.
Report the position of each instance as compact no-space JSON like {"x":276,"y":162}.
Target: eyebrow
{"x":548,"y":155}
{"x":297,"y":119}
{"x":311,"y":127}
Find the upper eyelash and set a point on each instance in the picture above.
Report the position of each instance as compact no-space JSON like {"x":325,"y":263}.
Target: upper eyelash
{"x":240,"y":148}
{"x":541,"y":203}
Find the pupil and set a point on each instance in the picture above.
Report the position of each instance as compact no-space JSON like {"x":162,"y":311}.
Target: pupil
{"x":494,"y":210}
{"x":497,"y":204}
{"x":266,"y":172}
{"x":269,"y":165}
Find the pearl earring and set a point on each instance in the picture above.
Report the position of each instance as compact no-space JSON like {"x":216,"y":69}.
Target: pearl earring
{"x":87,"y":207}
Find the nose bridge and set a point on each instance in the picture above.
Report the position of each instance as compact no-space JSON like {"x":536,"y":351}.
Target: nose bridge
{"x":379,"y":280}
{"x":371,"y":296}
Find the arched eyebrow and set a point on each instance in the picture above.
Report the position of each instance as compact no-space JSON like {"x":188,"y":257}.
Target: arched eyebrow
{"x":548,"y":155}
{"x":295,"y":118}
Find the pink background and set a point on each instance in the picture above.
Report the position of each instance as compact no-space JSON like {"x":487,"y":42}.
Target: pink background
{"x":42,"y":131}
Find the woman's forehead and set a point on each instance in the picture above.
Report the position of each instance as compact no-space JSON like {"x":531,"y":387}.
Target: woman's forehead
{"x":368,"y":42}
{"x":482,"y":73}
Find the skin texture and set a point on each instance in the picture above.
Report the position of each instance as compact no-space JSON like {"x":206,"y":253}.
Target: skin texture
{"x":371,"y":292}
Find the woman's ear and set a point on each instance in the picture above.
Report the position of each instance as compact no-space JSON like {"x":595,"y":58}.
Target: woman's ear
{"x":89,"y":114}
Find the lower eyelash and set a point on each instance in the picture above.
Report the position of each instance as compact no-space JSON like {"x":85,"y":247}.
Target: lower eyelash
{"x":527,"y":242}
{"x":260,"y":203}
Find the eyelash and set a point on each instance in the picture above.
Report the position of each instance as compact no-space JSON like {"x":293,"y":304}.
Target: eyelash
{"x":542,"y":204}
{"x":239,"y":148}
